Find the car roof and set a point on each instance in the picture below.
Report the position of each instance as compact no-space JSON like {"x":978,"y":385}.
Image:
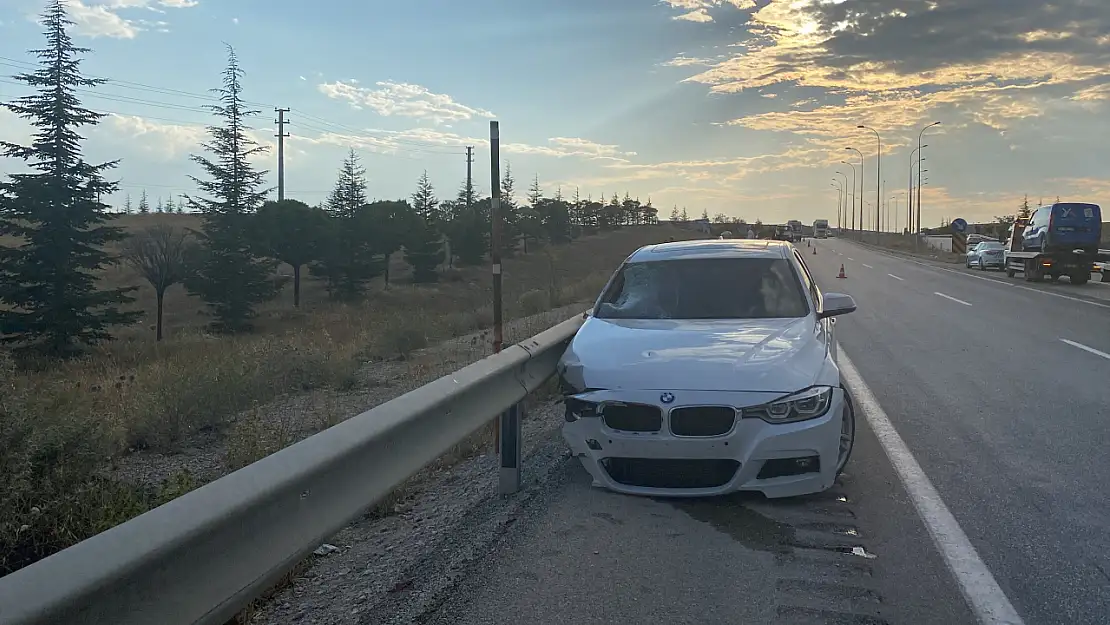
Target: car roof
{"x":712,"y":248}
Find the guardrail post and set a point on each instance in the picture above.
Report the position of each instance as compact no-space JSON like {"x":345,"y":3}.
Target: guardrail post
{"x":509,"y":450}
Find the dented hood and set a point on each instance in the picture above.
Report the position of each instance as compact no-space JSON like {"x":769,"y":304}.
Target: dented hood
{"x":779,"y":355}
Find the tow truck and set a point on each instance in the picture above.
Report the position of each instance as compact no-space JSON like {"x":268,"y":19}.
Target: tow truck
{"x":1036,"y":265}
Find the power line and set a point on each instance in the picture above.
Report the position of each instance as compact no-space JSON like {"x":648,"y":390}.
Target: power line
{"x":430,"y":147}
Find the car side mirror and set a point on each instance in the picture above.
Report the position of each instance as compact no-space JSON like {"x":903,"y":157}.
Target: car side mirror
{"x":834,"y":304}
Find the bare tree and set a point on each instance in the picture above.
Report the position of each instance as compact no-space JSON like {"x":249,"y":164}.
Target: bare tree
{"x":160,"y":254}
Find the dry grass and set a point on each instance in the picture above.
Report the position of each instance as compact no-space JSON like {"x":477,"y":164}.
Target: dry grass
{"x":59,"y":429}
{"x":904,"y":245}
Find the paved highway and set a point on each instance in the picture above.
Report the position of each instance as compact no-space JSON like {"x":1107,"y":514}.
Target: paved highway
{"x":1001,"y":390}
{"x":996,"y":390}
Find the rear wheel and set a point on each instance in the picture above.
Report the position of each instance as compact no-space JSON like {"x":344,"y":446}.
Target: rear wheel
{"x":847,"y":433}
{"x":1080,"y":278}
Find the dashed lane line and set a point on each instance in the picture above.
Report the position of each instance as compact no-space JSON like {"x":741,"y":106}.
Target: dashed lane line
{"x":949,"y":297}
{"x":1087,"y":349}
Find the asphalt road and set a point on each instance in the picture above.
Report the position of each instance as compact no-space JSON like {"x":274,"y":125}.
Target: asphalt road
{"x":1001,"y":391}
{"x":998,"y":389}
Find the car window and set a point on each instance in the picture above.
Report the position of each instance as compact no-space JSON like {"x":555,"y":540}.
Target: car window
{"x":807,"y":277}
{"x":990,"y":245}
{"x":705,"y":288}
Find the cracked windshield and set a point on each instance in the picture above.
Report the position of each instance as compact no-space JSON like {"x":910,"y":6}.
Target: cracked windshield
{"x":705,"y":312}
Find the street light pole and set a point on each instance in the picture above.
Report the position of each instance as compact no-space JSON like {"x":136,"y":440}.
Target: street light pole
{"x":919,"y":138}
{"x":878,"y":178}
{"x":844,"y":209}
{"x":839,"y":192}
{"x":853,"y":192}
{"x":862,"y":177}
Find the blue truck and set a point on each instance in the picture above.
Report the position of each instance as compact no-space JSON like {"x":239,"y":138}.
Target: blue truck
{"x":1060,"y":239}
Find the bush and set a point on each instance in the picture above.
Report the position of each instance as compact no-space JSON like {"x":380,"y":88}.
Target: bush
{"x":534,"y":302}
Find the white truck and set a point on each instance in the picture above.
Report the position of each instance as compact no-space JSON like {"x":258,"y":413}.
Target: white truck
{"x":821,"y":229}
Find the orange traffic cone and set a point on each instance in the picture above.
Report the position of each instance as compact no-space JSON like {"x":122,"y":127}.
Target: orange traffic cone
{"x":842,"y":271}
{"x":815,"y":251}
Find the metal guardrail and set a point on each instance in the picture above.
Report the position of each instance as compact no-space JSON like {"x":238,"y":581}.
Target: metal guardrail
{"x":201,"y":558}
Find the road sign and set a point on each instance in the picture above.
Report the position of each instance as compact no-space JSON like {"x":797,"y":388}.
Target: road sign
{"x":959,"y":242}
{"x":959,"y":225}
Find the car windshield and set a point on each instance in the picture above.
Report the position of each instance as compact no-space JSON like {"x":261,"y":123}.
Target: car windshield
{"x":706,"y":288}
{"x":990,"y":245}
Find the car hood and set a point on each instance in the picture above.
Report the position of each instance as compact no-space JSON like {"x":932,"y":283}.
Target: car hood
{"x":780,"y":355}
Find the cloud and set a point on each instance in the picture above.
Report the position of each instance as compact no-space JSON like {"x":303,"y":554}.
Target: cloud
{"x":697,"y":15}
{"x":171,"y":142}
{"x":698,"y":10}
{"x":106,"y":18}
{"x":896,"y":65}
{"x":402,"y":100}
{"x":389,"y":141}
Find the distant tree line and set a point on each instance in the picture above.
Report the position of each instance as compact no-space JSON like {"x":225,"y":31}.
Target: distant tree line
{"x":52,"y":304}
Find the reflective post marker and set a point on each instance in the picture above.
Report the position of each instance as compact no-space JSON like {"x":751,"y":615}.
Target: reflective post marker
{"x":509,"y":450}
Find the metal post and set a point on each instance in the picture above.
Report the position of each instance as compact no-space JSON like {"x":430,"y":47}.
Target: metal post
{"x":509,"y":450}
{"x":508,"y":433}
{"x":281,"y":136}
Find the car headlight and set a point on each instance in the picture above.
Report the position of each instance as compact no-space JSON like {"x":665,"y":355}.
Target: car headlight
{"x":810,"y":403}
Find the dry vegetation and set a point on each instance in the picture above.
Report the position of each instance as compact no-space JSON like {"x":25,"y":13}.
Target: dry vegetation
{"x":95,"y":441}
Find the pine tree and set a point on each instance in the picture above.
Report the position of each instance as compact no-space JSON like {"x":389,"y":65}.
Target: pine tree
{"x":424,"y":201}
{"x":510,"y":215}
{"x":469,"y":230}
{"x":169,"y":207}
{"x":229,"y":278}
{"x":424,"y":242}
{"x":159,"y":207}
{"x":674,"y":214}
{"x":144,"y":205}
{"x":704,"y":214}
{"x":127,"y":204}
{"x":349,"y":261}
{"x":48,"y":291}
{"x":685,"y":217}
{"x":1024,"y":211}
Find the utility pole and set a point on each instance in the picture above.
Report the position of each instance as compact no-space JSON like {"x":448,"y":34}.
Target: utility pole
{"x":281,"y":135}
{"x":469,"y":176}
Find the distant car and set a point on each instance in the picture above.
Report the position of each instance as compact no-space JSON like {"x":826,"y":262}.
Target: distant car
{"x":975,"y":239}
{"x":986,"y":254}
{"x":708,"y":367}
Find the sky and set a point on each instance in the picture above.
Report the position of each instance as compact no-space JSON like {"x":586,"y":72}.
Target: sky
{"x":740,"y":107}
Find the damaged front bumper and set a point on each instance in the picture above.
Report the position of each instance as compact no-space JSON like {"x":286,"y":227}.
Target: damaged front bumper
{"x":654,"y":443}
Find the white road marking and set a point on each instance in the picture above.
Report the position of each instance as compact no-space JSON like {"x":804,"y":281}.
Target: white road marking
{"x":1087,"y":349}
{"x":1074,"y":299}
{"x":958,"y":301}
{"x":896,"y":277}
{"x":866,"y":265}
{"x":851,"y":259}
{"x":986,"y":598}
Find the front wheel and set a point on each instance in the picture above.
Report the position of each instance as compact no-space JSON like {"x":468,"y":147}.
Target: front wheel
{"x":982,"y":267}
{"x":847,"y":433}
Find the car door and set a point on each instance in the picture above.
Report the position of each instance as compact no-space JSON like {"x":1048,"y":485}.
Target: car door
{"x":825,"y":328}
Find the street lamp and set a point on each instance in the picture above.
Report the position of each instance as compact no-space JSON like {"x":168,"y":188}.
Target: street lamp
{"x":844,"y":209}
{"x":839,"y":198}
{"x":878,"y":176}
{"x":853,"y":192}
{"x":919,"y":137}
{"x":909,"y":217}
{"x":861,"y":181}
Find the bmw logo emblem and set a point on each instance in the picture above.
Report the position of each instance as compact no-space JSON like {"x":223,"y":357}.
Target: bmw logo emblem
{"x":666,"y":398}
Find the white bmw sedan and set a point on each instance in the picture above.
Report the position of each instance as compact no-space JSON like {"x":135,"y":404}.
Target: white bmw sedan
{"x":707,"y":367}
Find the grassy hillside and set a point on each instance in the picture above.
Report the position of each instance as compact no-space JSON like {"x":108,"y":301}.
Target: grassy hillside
{"x":65,"y":432}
